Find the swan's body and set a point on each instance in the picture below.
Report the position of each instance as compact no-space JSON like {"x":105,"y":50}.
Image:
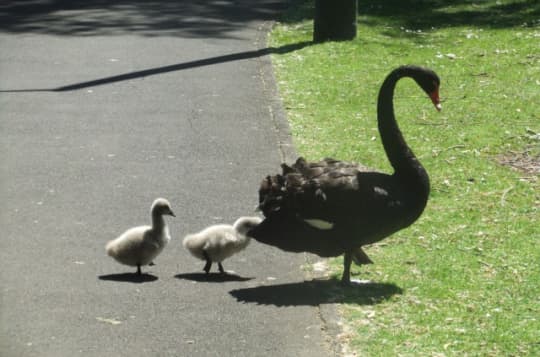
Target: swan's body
{"x":139,"y":246}
{"x":219,"y":242}
{"x":332,"y":207}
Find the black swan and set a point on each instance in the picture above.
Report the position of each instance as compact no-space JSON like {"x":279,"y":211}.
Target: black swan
{"x":332,"y":207}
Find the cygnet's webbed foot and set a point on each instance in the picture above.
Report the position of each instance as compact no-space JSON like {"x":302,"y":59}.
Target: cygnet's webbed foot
{"x":208,"y":262}
{"x":207,"y":267}
{"x":221,"y":270}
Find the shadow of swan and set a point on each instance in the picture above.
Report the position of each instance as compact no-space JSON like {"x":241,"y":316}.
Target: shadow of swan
{"x":129,"y":278}
{"x":317,"y":292}
{"x":211,"y":278}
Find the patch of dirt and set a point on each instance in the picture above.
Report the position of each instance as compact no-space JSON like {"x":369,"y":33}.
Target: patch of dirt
{"x":524,"y":161}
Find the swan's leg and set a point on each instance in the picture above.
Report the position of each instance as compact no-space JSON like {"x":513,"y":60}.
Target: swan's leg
{"x":347,"y":260}
{"x":139,"y":269}
{"x":221,"y":270}
{"x":208,"y":262}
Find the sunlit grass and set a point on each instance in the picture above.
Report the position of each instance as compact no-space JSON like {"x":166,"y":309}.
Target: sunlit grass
{"x":470,"y":267}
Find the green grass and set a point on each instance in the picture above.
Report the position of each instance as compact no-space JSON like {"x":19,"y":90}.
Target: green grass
{"x":469,"y":269}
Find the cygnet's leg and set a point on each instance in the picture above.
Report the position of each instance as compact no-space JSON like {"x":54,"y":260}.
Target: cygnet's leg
{"x":208,"y":262}
{"x":139,"y":269}
{"x":221,"y":270}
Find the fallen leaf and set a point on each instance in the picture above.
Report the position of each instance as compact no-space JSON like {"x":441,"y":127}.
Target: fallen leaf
{"x":109,"y":321}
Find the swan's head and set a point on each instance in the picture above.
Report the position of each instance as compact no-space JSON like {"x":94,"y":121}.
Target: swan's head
{"x":429,"y":81}
{"x":245,"y":224}
{"x":162,"y":207}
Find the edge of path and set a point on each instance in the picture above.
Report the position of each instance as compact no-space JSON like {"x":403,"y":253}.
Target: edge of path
{"x":328,"y":313}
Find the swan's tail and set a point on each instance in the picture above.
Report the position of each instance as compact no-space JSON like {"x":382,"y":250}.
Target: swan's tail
{"x":360,"y":257}
{"x":195,"y":245}
{"x":109,"y":248}
{"x":193,"y":241}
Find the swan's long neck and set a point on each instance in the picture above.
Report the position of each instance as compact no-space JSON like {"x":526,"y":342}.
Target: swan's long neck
{"x":158,"y":222}
{"x":398,"y":152}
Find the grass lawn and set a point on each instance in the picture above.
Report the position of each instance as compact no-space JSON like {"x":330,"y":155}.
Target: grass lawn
{"x":466,"y":276}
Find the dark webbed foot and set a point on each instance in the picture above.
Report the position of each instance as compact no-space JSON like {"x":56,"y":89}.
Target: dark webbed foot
{"x":207,"y":267}
{"x":346,"y":277}
{"x":208,"y":263}
{"x":345,"y":281}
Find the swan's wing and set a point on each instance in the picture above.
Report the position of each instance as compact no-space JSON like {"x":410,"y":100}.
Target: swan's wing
{"x":324,"y":212}
{"x":310,"y":170}
{"x":326,"y":192}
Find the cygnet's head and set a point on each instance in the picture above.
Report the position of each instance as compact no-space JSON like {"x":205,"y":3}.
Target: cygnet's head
{"x":245,"y":224}
{"x":162,"y":207}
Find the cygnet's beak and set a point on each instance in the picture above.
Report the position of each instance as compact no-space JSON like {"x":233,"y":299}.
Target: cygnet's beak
{"x":171,"y":213}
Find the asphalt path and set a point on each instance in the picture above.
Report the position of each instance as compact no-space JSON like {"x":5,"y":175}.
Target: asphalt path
{"x":106,"y":105}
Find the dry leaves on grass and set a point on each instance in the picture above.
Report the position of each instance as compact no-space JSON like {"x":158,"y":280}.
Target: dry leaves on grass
{"x":523,"y":161}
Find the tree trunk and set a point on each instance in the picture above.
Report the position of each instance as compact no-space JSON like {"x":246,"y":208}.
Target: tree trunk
{"x":335,"y":20}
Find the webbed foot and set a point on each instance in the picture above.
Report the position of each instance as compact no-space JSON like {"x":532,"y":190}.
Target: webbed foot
{"x":208,"y":263}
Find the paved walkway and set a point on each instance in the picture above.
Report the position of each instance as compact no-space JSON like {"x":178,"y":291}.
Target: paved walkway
{"x":104,"y":106}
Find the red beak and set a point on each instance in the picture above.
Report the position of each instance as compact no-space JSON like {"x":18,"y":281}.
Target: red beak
{"x":435,"y":99}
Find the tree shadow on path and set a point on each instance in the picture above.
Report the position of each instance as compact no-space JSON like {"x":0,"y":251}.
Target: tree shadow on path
{"x":171,"y":68}
{"x":317,"y":292}
{"x":149,"y":18}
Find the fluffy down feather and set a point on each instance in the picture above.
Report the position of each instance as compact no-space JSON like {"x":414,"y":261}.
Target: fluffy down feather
{"x":139,"y":246}
{"x":219,"y":242}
